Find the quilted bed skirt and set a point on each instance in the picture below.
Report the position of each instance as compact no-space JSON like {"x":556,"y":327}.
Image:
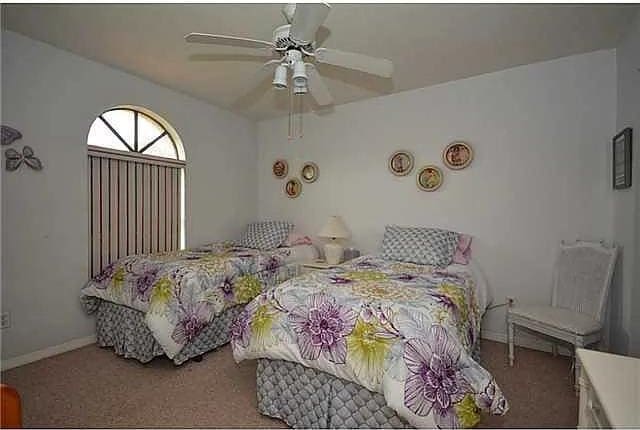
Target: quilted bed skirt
{"x":125,"y":330}
{"x":308,"y":398}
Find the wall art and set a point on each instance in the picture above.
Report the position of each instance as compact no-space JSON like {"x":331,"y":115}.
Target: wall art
{"x":14,"y":159}
{"x":622,"y":153}
{"x":429,"y":178}
{"x":9,"y":135}
{"x":309,"y":172}
{"x":280,"y":168}
{"x":457,"y":155}
{"x":400,"y":163}
{"x":293,"y":188}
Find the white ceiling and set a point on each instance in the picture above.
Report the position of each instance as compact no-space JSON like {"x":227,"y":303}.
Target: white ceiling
{"x":428,"y":44}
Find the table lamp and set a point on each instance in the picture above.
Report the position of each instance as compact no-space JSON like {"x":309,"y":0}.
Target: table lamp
{"x":334,"y":229}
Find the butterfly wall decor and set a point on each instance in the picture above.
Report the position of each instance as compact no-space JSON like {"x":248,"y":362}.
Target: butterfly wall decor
{"x":14,"y":159}
{"x":9,"y":135}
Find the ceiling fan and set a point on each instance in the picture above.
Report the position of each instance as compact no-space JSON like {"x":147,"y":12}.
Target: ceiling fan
{"x":293,"y":52}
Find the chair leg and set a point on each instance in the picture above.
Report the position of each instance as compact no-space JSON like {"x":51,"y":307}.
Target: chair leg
{"x":576,"y":377}
{"x":554,"y":349}
{"x":510,"y":334}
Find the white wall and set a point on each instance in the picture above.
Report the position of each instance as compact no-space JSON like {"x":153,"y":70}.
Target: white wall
{"x":626,"y":288}
{"x":541,"y":172}
{"x":53,"y":96}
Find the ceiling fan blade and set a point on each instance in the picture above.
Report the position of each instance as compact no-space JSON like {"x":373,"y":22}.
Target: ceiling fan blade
{"x":216,"y":39}
{"x":317,"y":87}
{"x":258,"y":77}
{"x":307,"y":18}
{"x":249,"y":56}
{"x":349,"y":60}
{"x":262,"y":72}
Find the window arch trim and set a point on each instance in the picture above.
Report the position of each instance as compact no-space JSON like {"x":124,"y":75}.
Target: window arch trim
{"x":136,"y":147}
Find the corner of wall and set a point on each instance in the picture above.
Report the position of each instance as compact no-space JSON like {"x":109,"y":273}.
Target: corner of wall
{"x":625,"y":316}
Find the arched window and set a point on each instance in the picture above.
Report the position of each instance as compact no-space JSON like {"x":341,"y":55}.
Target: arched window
{"x":130,"y":129}
{"x":136,"y":186}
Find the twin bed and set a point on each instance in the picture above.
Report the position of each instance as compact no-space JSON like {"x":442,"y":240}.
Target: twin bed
{"x":181,"y":304}
{"x":376,"y":342}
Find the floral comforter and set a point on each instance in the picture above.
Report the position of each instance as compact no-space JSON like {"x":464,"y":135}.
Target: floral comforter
{"x":403,"y":330}
{"x":180,"y":292}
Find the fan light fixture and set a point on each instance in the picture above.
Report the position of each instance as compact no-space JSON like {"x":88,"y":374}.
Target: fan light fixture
{"x":299,"y":74}
{"x":299,"y":78}
{"x":299,"y":89}
{"x":280,"y":77}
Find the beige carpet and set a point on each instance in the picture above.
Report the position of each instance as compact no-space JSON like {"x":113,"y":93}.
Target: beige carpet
{"x":92,"y":387}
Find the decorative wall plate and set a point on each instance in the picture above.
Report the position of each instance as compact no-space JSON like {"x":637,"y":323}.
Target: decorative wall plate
{"x":280,"y":168}
{"x":429,"y":178}
{"x":309,"y":172}
{"x":293,"y":188}
{"x":457,"y":155}
{"x":400,"y":163}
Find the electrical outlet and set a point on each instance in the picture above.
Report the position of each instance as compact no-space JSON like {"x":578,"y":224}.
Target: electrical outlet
{"x":5,"y":320}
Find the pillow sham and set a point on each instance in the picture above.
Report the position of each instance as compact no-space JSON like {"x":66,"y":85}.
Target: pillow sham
{"x":420,"y":245}
{"x":296,"y":239}
{"x":266,"y":235}
{"x":463,"y":250}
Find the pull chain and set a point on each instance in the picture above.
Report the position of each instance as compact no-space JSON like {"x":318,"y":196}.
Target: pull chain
{"x":300,"y":109}
{"x":290,"y":114}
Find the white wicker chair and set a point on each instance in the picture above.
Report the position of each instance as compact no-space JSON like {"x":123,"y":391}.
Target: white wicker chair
{"x":581,"y":281}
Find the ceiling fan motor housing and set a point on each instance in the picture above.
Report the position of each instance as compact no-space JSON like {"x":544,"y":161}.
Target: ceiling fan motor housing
{"x":283,"y":41}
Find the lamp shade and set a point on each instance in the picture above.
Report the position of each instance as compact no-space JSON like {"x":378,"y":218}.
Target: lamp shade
{"x":335,"y":229}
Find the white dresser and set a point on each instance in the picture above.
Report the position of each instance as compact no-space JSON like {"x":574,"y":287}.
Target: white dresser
{"x":609,"y":390}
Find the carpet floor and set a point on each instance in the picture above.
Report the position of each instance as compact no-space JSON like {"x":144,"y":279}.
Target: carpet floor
{"x":92,"y":387}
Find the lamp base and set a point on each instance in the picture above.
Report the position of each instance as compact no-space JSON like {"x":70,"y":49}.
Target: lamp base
{"x":333,"y":253}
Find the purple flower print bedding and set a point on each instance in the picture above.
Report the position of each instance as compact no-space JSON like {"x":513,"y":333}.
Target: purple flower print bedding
{"x":401,"y":329}
{"x":180,"y":292}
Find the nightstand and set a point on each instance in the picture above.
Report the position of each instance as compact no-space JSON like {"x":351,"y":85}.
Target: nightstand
{"x":609,"y":390}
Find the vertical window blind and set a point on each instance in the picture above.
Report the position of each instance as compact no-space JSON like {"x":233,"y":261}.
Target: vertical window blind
{"x":135,"y":205}
{"x":136,"y":180}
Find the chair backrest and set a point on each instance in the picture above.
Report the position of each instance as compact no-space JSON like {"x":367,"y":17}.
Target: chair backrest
{"x":582,"y":277}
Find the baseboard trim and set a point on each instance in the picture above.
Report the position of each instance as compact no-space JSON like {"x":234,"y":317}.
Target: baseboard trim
{"x":47,"y":352}
{"x":524,"y":340}
{"x":496,"y":336}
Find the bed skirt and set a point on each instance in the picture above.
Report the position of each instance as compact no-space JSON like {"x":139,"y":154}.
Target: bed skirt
{"x":309,"y":398}
{"x":125,"y":330}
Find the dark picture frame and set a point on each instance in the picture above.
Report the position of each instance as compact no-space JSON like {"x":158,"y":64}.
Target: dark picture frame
{"x":622,"y":153}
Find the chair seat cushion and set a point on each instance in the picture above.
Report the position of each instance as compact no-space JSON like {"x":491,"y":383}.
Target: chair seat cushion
{"x":565,"y":319}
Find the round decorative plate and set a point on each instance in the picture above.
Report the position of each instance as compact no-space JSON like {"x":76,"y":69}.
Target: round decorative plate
{"x":309,"y":172}
{"x":429,"y":178}
{"x":400,"y":163}
{"x":280,"y":168}
{"x":293,"y":188}
{"x":457,"y":155}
